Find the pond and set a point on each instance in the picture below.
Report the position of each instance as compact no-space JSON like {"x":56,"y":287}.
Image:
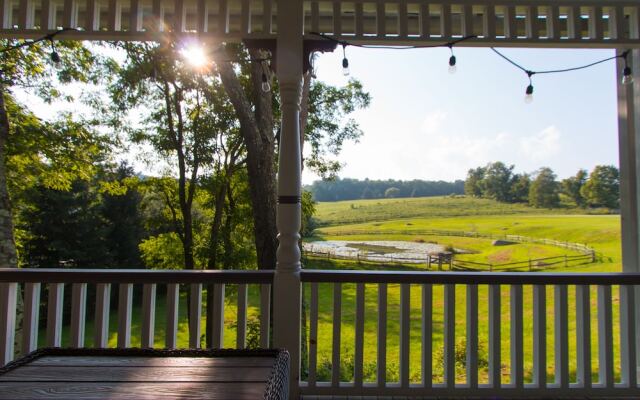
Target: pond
{"x":375,"y":250}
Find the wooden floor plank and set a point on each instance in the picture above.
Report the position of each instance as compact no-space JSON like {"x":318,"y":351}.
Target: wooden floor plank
{"x":154,"y":361}
{"x":132,"y":390}
{"x":149,"y":374}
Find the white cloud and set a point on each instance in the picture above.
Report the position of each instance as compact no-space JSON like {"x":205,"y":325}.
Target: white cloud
{"x":433,"y":122}
{"x":541,"y":146}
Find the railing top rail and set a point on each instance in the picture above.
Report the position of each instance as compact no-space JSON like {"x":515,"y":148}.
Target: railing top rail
{"x":482,"y":278}
{"x":56,"y":275}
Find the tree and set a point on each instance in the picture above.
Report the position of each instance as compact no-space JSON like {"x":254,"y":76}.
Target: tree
{"x":392,"y":192}
{"x":520,"y":188}
{"x":602,"y":189}
{"x":497,"y":181}
{"x":27,"y":65}
{"x":256,"y":110}
{"x":184,"y":117}
{"x":543,"y":192}
{"x":473,"y":185}
{"x":572,"y":187}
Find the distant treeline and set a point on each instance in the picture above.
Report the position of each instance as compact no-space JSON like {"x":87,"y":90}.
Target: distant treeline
{"x":352,"y":189}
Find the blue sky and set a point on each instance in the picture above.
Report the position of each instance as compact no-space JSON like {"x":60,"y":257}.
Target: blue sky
{"x":424,"y":123}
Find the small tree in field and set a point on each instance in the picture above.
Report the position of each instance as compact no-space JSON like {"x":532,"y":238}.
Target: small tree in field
{"x":392,"y":192}
{"x":543,"y":192}
{"x":603,"y":187}
{"x":572,"y":187}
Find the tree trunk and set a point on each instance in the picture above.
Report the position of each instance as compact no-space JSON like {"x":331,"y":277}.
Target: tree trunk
{"x":214,"y":236}
{"x":8,"y":254}
{"x":256,"y":127}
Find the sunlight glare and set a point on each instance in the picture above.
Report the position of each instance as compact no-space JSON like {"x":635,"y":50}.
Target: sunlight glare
{"x":195,"y":55}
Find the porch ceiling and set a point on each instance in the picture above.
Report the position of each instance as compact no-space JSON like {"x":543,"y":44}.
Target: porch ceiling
{"x":532,"y":23}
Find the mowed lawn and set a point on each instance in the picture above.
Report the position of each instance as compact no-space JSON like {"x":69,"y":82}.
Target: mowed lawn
{"x":602,"y":232}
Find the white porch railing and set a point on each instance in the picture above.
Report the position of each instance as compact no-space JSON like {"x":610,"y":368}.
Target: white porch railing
{"x":491,"y":301}
{"x":30,"y":283}
{"x":548,"y":23}
{"x":527,"y":333}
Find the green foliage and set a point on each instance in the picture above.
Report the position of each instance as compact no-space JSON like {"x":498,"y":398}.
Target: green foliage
{"x":603,"y":187}
{"x":543,"y":192}
{"x":353,"y":189}
{"x":572,"y":187}
{"x":473,"y":185}
{"x":308,"y":210}
{"x":392,"y":192}
{"x":50,"y":154}
{"x":163,"y":251}
{"x":497,"y":181}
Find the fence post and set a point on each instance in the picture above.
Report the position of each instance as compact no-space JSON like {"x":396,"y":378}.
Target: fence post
{"x":530,"y":265}
{"x":565,"y":261}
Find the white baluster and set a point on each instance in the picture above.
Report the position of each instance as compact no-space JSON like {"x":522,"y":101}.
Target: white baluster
{"x":472,"y":336}
{"x":241,"y":333}
{"x":605,"y":336}
{"x":628,"y":349}
{"x":195,"y":313}
{"x":405,"y":333}
{"x":427,"y":335}
{"x":335,"y":349}
{"x":148,"y":315}
{"x":125,"y":301}
{"x":265,"y":314}
{"x":382,"y":335}
{"x":78,"y":313}
{"x":561,"y":335}
{"x":583,"y":335}
{"x":31,"y":317}
{"x":103,"y":298}
{"x":8,"y":299}
{"x":54,"y":314}
{"x":359,"y":336}
{"x":173,"y":295}
{"x":313,"y":334}
{"x":540,"y":336}
{"x":517,"y":354}
{"x":495,"y":366}
{"x":449,"y":335}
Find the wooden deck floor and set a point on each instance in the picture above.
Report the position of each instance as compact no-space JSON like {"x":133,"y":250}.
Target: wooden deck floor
{"x":74,"y":377}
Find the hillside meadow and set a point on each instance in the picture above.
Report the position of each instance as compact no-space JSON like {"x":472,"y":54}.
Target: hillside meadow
{"x":408,"y":220}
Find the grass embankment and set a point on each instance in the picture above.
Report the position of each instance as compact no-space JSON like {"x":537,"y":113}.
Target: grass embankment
{"x":404,"y":219}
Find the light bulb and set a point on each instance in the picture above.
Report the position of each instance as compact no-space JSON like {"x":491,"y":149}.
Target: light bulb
{"x":627,"y":78}
{"x":55,"y":57}
{"x":528,"y":98}
{"x":345,"y":67}
{"x":266,"y":87}
{"x":452,"y":65}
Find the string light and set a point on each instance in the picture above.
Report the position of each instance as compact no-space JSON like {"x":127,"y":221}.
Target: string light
{"x":452,"y":61}
{"x":344,"y":44}
{"x":345,"y":62}
{"x":55,"y":57}
{"x":266,"y":86}
{"x":627,"y":77}
{"x":528,"y":96}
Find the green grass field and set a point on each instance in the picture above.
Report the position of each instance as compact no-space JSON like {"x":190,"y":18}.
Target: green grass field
{"x":404,"y":219}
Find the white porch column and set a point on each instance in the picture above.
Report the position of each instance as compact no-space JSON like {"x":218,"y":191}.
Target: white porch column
{"x":629,"y":147}
{"x":286,"y":290}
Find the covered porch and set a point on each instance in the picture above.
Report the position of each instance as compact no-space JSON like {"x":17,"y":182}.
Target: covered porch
{"x":288,"y":28}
